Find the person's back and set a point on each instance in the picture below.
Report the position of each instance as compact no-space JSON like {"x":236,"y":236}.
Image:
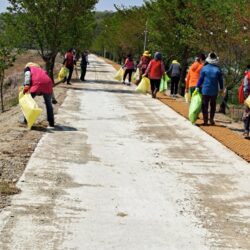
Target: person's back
{"x":144,"y":62}
{"x":175,"y":69}
{"x":69,"y":59}
{"x":40,"y":81}
{"x":194,"y":74}
{"x":212,"y":77}
{"x":129,"y":63}
{"x":156,"y":69}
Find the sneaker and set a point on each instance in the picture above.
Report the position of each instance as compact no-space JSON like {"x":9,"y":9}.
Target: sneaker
{"x":246,"y":134}
{"x":123,"y":83}
{"x":128,"y":84}
{"x":204,"y":124}
{"x":69,"y":83}
{"x":212,"y":122}
{"x":54,"y":101}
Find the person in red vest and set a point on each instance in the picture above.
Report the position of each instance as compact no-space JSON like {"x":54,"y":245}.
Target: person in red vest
{"x":69,"y":63}
{"x":246,"y":92}
{"x":155,"y":71}
{"x":129,"y":68}
{"x":37,"y":82}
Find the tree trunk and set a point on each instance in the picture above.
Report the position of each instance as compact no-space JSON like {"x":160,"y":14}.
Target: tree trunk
{"x":184,"y":67}
{"x":1,"y":90}
{"x":50,"y":63}
{"x":223,"y":104}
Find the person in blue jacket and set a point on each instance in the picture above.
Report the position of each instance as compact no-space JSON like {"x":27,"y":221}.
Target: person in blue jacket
{"x":211,"y":83}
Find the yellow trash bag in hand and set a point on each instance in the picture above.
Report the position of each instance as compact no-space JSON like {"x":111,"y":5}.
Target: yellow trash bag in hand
{"x":29,"y":107}
{"x":119,"y":74}
{"x":62,"y":73}
{"x":144,"y":86}
{"x":247,"y":102}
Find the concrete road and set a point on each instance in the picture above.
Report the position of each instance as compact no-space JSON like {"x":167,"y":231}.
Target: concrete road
{"x":123,"y":171}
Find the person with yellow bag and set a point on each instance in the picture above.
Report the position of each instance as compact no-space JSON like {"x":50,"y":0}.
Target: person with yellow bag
{"x":37,"y":82}
{"x":143,"y":64}
{"x":155,"y":71}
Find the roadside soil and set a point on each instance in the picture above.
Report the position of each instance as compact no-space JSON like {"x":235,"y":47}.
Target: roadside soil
{"x":17,"y":142}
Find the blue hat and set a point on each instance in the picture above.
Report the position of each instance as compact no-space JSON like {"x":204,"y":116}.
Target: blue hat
{"x":158,"y":56}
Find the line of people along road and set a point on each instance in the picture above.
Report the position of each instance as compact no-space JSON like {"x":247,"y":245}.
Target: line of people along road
{"x":204,"y":77}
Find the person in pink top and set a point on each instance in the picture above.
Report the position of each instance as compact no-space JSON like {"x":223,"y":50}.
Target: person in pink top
{"x":37,"y":82}
{"x":155,"y":71}
{"x":129,"y":68}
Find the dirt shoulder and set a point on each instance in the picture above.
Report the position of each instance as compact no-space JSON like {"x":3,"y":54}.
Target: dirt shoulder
{"x":226,"y":131}
{"x":17,"y":142}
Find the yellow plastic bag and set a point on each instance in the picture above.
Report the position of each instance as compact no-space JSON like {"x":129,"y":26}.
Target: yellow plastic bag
{"x":29,"y":107}
{"x":136,"y":75}
{"x":62,"y":73}
{"x":187,"y":97}
{"x":144,"y":86}
{"x":247,"y":101}
{"x":119,"y":74}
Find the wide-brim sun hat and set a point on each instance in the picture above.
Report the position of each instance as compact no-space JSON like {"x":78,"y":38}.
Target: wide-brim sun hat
{"x":212,"y":58}
{"x":146,"y":53}
{"x":31,"y":64}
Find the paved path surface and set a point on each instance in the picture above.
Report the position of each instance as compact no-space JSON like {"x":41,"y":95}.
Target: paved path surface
{"x":123,"y":171}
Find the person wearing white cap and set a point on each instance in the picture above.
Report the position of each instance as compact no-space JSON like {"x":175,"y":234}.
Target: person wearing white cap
{"x":210,"y":81}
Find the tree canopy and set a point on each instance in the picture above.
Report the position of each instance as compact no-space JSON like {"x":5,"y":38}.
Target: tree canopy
{"x":181,"y":29}
{"x":52,"y":26}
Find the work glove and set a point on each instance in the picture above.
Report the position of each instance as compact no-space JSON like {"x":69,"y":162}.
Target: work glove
{"x":26,"y":89}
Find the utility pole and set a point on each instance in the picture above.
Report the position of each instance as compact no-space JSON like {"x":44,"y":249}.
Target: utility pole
{"x":145,"y":35}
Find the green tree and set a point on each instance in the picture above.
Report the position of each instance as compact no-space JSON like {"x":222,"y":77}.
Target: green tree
{"x":8,"y":51}
{"x":52,"y":26}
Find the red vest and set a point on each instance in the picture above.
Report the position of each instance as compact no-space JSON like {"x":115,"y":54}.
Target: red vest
{"x":40,"y":81}
{"x":69,"y":59}
{"x":144,"y":62}
{"x":241,"y":97}
{"x":155,"y":70}
{"x":129,"y":64}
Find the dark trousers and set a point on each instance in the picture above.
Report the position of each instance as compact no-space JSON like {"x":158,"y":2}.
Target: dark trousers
{"x":206,"y":100}
{"x":83,"y":72}
{"x":191,"y":90}
{"x":174,"y":85}
{"x":155,"y":86}
{"x":70,"y":73}
{"x":129,"y":73}
{"x":48,"y":103}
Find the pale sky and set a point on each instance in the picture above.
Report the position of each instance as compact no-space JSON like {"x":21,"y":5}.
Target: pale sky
{"x":102,"y":5}
{"x":109,"y":4}
{"x":3,"y":5}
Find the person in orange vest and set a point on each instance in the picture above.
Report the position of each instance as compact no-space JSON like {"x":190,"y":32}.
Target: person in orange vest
{"x":246,"y":91}
{"x":37,"y":82}
{"x":129,"y":68}
{"x":155,"y":71}
{"x":193,"y":74}
{"x":69,"y":63}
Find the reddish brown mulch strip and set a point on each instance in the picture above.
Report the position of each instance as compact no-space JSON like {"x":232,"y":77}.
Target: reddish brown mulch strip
{"x":221,"y":133}
{"x":227,"y":137}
